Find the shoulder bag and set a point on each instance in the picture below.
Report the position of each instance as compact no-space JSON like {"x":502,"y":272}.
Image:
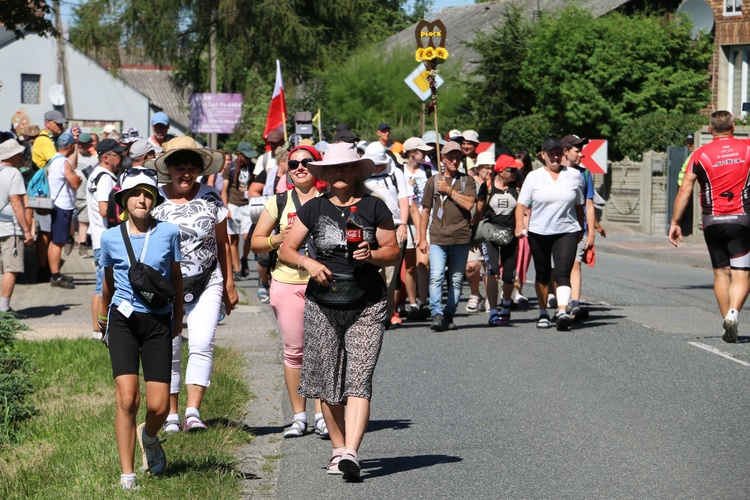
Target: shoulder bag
{"x":155,"y":290}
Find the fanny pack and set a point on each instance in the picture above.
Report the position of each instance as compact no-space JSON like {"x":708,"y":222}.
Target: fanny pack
{"x":343,"y":290}
{"x":193,"y":286}
{"x":155,"y":290}
{"x":487,"y":231}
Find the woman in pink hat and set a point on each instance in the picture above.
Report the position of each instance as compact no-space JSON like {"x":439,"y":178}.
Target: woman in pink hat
{"x":345,"y":311}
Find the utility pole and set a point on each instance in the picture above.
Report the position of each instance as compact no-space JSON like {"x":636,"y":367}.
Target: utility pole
{"x":212,"y":138}
{"x":62,"y":63}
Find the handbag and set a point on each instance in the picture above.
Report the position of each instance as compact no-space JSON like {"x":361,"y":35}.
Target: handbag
{"x":193,"y":286}
{"x":155,"y":290}
{"x":343,"y":290}
{"x":487,"y":231}
{"x":256,"y":207}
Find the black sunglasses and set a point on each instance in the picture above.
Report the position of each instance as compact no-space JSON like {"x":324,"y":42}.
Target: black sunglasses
{"x":132,"y":172}
{"x":293,"y":164}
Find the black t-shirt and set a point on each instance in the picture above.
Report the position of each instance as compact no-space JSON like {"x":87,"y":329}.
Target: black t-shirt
{"x":501,"y":205}
{"x":327,"y":225}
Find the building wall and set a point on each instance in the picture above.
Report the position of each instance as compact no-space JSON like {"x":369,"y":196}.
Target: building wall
{"x":729,"y":30}
{"x":96,"y":94}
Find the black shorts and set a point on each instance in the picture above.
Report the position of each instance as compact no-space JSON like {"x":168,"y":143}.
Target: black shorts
{"x":728,"y":245}
{"x":141,"y":337}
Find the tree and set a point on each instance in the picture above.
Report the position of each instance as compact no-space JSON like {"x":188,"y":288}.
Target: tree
{"x":495,"y":93}
{"x":595,"y":78}
{"x":26,"y":16}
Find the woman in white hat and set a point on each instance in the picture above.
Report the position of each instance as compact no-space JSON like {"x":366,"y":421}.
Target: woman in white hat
{"x":417,"y":277}
{"x":197,"y":209}
{"x":346,"y":297}
{"x":135,"y":330}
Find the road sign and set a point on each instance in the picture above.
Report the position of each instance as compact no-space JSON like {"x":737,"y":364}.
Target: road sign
{"x":418,"y":83}
{"x":595,"y":156}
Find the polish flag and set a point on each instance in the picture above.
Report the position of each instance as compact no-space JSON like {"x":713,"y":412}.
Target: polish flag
{"x":277,"y":111}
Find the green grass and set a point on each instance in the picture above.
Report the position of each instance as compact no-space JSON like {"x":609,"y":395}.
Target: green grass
{"x":69,"y":450}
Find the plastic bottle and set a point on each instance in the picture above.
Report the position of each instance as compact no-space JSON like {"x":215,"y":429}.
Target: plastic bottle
{"x":355,"y":234}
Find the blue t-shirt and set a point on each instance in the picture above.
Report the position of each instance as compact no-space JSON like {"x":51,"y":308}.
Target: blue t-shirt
{"x":588,"y":192}
{"x":163,"y":248}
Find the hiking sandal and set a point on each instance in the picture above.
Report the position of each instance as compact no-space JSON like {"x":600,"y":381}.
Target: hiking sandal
{"x":297,"y":429}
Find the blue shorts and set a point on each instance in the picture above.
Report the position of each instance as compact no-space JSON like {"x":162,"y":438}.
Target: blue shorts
{"x":99,"y":272}
{"x":61,"y":220}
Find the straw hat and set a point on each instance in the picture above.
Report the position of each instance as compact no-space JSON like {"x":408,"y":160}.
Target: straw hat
{"x":342,"y":153}
{"x":213,"y":161}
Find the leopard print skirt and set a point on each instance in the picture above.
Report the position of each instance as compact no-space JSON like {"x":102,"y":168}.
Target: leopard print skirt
{"x":341,"y":351}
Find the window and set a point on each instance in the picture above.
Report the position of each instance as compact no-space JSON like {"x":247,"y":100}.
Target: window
{"x":737,"y":81}
{"x":30,"y":89}
{"x":732,"y":7}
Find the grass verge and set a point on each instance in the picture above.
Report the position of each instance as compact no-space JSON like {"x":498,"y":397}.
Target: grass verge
{"x":69,"y":450}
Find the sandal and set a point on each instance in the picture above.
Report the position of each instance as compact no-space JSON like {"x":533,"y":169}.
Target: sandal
{"x":543,"y":322}
{"x":172,"y":426}
{"x":193,"y":423}
{"x":321,"y":429}
{"x":349,"y":465}
{"x":333,"y":465}
{"x":472,"y":305}
{"x":297,"y":429}
{"x":494,"y":320}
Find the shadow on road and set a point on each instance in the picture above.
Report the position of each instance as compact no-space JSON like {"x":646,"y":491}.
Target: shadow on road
{"x":395,"y":425}
{"x":380,"y":467}
{"x":42,"y":311}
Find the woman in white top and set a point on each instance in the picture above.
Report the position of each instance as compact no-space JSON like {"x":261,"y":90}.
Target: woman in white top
{"x":197,"y":209}
{"x":417,"y":276}
{"x":556,"y":194}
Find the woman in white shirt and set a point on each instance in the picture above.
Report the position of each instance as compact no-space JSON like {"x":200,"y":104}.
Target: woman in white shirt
{"x":556,"y":194}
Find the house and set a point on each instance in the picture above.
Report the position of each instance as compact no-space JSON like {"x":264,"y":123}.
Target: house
{"x":30,"y":80}
{"x":729,"y":69}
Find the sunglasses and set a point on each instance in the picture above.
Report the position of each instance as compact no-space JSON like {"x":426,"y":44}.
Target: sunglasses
{"x":132,"y":172}
{"x":293,"y":164}
{"x":511,"y":170}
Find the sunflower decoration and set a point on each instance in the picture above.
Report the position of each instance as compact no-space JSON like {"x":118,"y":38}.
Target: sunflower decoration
{"x":441,"y":53}
{"x":429,"y":54}
{"x":419,"y":56}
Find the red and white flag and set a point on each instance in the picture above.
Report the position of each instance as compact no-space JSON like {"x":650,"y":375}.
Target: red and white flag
{"x":277,"y":111}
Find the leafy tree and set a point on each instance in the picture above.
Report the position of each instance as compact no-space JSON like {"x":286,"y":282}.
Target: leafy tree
{"x":28,"y":16}
{"x":526,"y":132}
{"x":656,"y":131}
{"x":369,"y":89}
{"x":495,"y":93}
{"x":593,"y":76}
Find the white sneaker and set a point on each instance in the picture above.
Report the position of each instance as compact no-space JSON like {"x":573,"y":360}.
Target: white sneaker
{"x":731,"y":320}
{"x":551,"y":302}
{"x":128,"y":483}
{"x":154,"y":459}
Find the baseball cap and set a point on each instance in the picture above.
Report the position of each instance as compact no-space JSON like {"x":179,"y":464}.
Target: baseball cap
{"x":106,"y":145}
{"x":551,"y":143}
{"x":507,"y":161}
{"x":455,"y":136}
{"x":345,"y":135}
{"x":471,"y":136}
{"x":450,"y":146}
{"x":84,"y":138}
{"x":383,"y":126}
{"x":160,"y":118}
{"x":109,"y":129}
{"x":416,"y":143}
{"x":247,"y":149}
{"x":485,"y":158}
{"x":65,"y":139}
{"x":54,"y":116}
{"x":573,"y":140}
{"x":690,"y":139}
{"x":376,"y":152}
{"x":429,"y":138}
{"x":140,"y":148}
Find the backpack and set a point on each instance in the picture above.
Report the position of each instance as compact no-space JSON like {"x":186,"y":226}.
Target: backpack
{"x":38,"y":190}
{"x":280,"y":204}
{"x":113,"y":209}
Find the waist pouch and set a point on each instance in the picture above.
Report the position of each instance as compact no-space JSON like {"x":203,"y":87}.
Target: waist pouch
{"x":193,"y":286}
{"x":344,"y":292}
{"x":151,"y":286}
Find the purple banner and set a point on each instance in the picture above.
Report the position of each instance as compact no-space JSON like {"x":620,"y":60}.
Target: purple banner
{"x":215,"y":113}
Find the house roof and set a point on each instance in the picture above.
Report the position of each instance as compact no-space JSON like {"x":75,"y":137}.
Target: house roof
{"x":157,"y":85}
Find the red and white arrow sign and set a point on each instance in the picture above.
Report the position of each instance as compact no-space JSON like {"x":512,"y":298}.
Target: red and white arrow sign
{"x":595,"y":156}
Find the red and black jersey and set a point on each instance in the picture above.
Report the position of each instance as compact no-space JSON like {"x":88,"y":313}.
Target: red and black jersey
{"x":723,"y":170}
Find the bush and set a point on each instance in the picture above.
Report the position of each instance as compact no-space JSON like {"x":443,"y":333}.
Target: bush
{"x":526,"y":132}
{"x":15,"y":381}
{"x":656,"y":131}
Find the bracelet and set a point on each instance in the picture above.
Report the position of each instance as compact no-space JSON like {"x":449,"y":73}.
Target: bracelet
{"x":270,"y":243}
{"x":300,"y":262}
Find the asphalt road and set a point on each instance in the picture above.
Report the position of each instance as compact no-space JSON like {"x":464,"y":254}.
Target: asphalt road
{"x":631,"y":404}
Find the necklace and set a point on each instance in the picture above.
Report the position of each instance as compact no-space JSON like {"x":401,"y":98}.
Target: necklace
{"x":343,"y":209}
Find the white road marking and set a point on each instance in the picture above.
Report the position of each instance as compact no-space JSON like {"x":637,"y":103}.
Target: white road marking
{"x":720,"y":353}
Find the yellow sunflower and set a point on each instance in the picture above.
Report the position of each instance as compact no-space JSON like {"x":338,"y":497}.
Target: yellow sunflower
{"x":441,"y":53}
{"x":429,"y":54}
{"x":419,"y":54}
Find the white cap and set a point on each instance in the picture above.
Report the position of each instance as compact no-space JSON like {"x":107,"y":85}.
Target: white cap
{"x":375,"y":151}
